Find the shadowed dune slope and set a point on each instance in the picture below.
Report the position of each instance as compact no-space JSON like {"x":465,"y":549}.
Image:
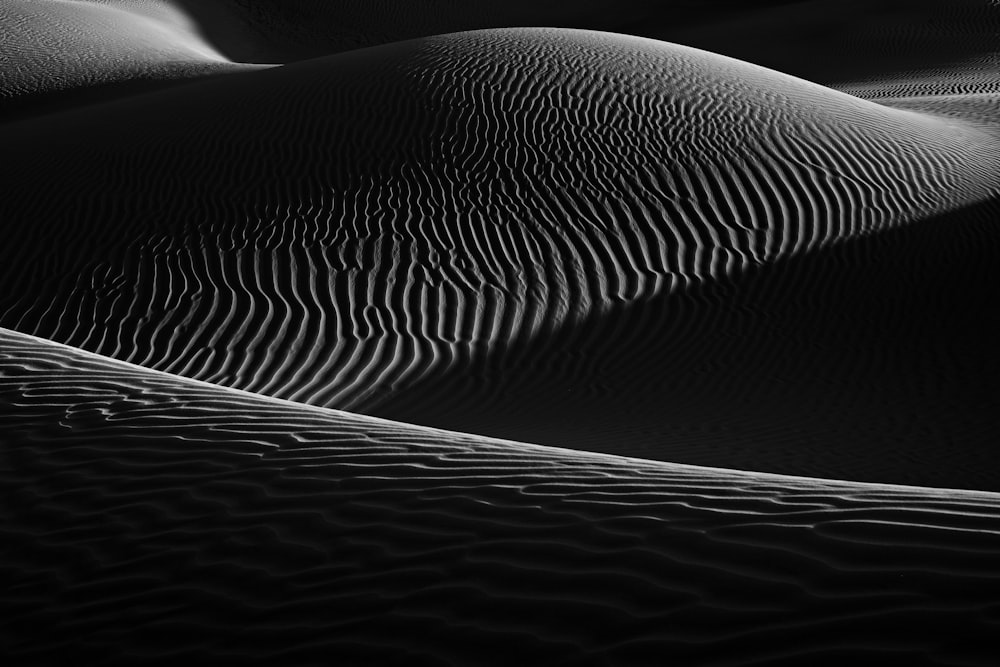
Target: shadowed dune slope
{"x":337,"y":231}
{"x":874,"y":360}
{"x":289,"y":30}
{"x":61,"y":52}
{"x":228,"y":526}
{"x":64,"y":53}
{"x":823,"y":40}
{"x":895,"y":46}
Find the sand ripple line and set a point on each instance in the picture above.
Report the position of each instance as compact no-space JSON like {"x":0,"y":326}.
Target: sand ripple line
{"x":337,"y":231}
{"x":220,"y":523}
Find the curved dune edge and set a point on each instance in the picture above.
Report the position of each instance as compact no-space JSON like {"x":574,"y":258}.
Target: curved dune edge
{"x":224,"y":525}
{"x":822,"y":40}
{"x":874,"y":360}
{"x":292,"y":30}
{"x":815,"y":294}
{"x":347,"y":230}
{"x":892,"y":45}
{"x":60,"y":55}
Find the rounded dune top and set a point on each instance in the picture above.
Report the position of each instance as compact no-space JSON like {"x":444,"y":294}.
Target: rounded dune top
{"x":517,"y":178}
{"x":609,"y":115}
{"x":287,"y":30}
{"x":824,"y":40}
{"x":345,"y":230}
{"x":60,"y":45}
{"x":571,"y":96}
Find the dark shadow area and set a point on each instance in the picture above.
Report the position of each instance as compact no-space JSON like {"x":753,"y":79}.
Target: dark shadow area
{"x":148,"y":521}
{"x":873,"y":360}
{"x":290,"y":30}
{"x":225,"y":26}
{"x":43,"y":104}
{"x":836,"y":42}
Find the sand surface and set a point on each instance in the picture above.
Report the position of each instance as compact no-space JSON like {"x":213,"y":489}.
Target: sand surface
{"x":235,"y":526}
{"x":413,"y":232}
{"x":729,"y":268}
{"x":61,"y":53}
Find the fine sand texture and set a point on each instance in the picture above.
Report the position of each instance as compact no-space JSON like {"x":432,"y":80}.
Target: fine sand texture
{"x":532,"y":233}
{"x":499,"y":333}
{"x":58,"y":53}
{"x":153,"y":519}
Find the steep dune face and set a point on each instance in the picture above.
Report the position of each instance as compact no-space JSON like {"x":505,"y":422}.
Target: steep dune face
{"x":52,"y":47}
{"x":151,"y":518}
{"x":338,"y":231}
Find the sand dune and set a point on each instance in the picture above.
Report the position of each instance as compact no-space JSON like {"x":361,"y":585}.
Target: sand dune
{"x":873,"y":360}
{"x":340,"y":231}
{"x":823,"y":40}
{"x":224,"y":525}
{"x":842,"y":42}
{"x":227,"y":223}
{"x":281,"y":31}
{"x":67,"y":52}
{"x":290,"y":30}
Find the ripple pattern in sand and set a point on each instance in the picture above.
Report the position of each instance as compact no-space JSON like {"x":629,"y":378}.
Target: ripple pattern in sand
{"x":371,"y":218}
{"x":225,"y":524}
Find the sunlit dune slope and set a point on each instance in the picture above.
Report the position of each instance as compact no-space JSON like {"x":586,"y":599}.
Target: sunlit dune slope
{"x":340,"y":231}
{"x":151,"y":518}
{"x":61,"y":52}
{"x":823,"y":40}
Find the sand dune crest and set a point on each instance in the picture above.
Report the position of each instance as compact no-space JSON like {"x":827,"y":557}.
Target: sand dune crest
{"x":364,"y":223}
{"x":60,"y":54}
{"x":228,"y":221}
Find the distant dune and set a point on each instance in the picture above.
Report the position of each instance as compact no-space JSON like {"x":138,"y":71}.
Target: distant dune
{"x":58,"y":53}
{"x":702,"y":296}
{"x":237,"y":527}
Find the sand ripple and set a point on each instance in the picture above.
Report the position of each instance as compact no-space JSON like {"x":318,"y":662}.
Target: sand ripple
{"x":342,"y":231}
{"x":159,"y":518}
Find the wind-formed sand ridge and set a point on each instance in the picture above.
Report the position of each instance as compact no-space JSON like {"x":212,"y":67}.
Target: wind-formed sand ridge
{"x":447,"y":201}
{"x":233,"y":525}
{"x":228,"y":222}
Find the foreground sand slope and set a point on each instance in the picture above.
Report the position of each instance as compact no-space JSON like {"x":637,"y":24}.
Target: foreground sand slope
{"x":150,"y":517}
{"x":338,"y":231}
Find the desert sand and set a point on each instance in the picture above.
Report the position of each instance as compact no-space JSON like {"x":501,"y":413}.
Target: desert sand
{"x":467,"y":333}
